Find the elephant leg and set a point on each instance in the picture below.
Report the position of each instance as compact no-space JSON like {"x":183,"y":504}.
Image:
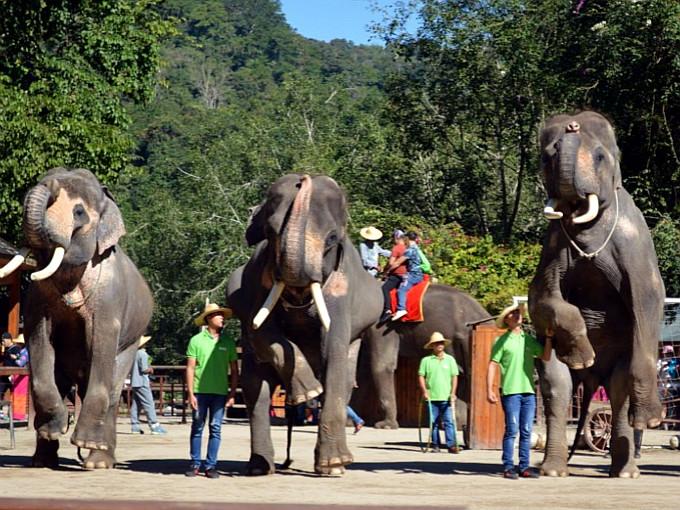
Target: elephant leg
{"x":384,"y":351}
{"x":51,"y":415}
{"x":645,"y":408}
{"x":257,"y":392}
{"x":622,"y":446}
{"x":556,"y":389}
{"x":46,"y":453}
{"x":95,"y":428}
{"x":331,"y":454}
{"x":571,"y":342}
{"x":105,"y":459}
{"x":291,"y":365}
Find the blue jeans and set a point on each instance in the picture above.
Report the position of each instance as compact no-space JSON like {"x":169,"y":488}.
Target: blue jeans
{"x":215,"y":404}
{"x":352,"y":415}
{"x":411,"y":280}
{"x":441,"y":409}
{"x":519,"y":412}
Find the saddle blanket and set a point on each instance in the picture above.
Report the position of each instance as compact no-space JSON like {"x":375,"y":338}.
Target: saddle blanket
{"x":414,"y":301}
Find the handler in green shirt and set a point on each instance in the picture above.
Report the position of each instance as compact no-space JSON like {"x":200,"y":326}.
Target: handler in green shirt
{"x":514,"y":351}
{"x":212,"y":378}
{"x":438,"y":380}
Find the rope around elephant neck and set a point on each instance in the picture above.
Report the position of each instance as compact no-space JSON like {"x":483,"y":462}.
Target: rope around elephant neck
{"x":594,"y":254}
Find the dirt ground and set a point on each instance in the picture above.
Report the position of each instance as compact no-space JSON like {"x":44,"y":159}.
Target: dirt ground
{"x":389,"y":469}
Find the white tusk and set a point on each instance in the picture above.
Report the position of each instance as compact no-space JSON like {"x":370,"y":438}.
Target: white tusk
{"x":52,"y":267}
{"x":320,"y":303}
{"x":269,"y":304}
{"x":591,"y":213}
{"x":13,"y":264}
{"x":549,"y":210}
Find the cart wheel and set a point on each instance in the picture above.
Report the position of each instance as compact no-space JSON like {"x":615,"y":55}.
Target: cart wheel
{"x":598,"y":429}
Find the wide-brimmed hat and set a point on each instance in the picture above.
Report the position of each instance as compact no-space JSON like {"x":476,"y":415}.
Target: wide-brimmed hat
{"x":436,"y":338}
{"x":143,"y":340}
{"x":20,"y":339}
{"x":210,"y":309}
{"x":370,"y":233}
{"x":500,"y":320}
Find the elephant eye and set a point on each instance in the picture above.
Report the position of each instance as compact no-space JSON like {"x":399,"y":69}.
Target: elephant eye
{"x":331,"y":239}
{"x":78,"y":211}
{"x":599,"y":156}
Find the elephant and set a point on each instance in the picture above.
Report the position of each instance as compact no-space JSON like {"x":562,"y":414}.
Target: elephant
{"x":85,"y":312}
{"x":597,"y":289}
{"x":303,"y":299}
{"x":447,"y":310}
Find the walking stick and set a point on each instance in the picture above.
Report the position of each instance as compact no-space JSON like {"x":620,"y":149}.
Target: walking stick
{"x":429,"y":421}
{"x":452,"y":403}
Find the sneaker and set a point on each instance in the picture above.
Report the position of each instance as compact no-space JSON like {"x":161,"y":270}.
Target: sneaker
{"x":212,"y":473}
{"x":358,"y":427}
{"x":454,"y":449}
{"x":511,"y":474}
{"x":385,"y":316}
{"x":637,"y":455}
{"x":398,"y":315}
{"x":193,"y":471}
{"x":529,"y":473}
{"x":136,"y":430}
{"x":156,"y":429}
{"x":435,"y":449}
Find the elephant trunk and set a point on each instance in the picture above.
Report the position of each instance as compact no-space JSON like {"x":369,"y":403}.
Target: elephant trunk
{"x":569,"y":147}
{"x":294,"y":260}
{"x":35,"y":205}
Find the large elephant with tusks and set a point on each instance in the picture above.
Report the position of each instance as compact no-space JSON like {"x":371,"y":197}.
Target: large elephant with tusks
{"x":303,"y":299}
{"x":597,"y":287}
{"x":84,"y":314}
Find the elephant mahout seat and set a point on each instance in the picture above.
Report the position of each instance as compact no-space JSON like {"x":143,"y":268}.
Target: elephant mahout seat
{"x":414,"y":301}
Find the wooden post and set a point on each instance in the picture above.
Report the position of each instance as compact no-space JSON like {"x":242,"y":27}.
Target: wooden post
{"x":486,"y":420}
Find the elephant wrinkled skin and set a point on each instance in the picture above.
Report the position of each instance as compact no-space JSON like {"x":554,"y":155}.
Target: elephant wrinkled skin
{"x":597,"y":286}
{"x":84,"y":312}
{"x":303,"y":300}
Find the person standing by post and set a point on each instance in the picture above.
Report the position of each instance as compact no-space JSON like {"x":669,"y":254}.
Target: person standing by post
{"x":438,"y":381}
{"x":212,"y":378}
{"x":142,"y":397}
{"x":514,"y":351}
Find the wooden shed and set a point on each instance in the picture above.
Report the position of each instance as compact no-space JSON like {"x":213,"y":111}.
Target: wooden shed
{"x":10,"y":297}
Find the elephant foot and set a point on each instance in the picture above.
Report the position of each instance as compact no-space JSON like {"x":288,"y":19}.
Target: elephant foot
{"x":45,"y":455}
{"x":629,"y":470}
{"x":259,"y":466}
{"x":51,"y":426}
{"x":577,"y":355}
{"x":98,"y":459}
{"x":85,"y":437}
{"x":300,"y":398}
{"x":647,"y":414}
{"x":387,"y":424}
{"x":554,"y":467}
{"x":335,"y":466}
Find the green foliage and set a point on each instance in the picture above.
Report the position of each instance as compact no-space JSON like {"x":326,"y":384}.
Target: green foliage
{"x":65,"y":69}
{"x":666,"y":237}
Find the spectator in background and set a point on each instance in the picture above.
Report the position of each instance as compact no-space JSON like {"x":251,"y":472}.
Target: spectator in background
{"x":142,"y":397}
{"x":370,"y":250}
{"x":212,"y":378}
{"x":16,"y":355}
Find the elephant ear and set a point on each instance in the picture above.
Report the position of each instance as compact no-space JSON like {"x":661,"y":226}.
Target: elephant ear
{"x":111,"y":227}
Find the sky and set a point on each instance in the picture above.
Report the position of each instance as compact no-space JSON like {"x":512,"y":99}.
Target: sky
{"x":333,"y":19}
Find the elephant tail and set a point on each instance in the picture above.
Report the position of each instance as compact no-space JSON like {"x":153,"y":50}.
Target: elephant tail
{"x":290,"y":419}
{"x":588,"y":391}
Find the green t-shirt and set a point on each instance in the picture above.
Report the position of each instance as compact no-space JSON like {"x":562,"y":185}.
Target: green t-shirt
{"x":438,"y":373}
{"x":515,"y":353}
{"x":212,"y":362}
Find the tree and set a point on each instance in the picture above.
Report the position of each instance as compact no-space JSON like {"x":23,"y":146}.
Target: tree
{"x":66,"y":70}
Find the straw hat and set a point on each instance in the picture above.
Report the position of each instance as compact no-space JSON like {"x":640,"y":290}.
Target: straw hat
{"x":500,"y":320}
{"x":370,"y":233}
{"x":209,"y":309}
{"x":143,"y":340}
{"x":20,"y":339}
{"x":436,"y":338}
